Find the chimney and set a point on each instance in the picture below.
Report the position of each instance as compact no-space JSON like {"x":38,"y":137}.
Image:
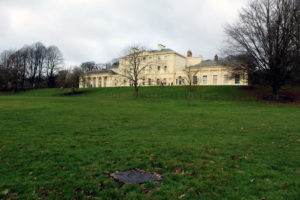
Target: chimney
{"x":216,"y":58}
{"x":160,"y":47}
{"x":189,"y":53}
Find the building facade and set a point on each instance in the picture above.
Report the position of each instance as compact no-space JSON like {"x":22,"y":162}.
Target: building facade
{"x":165,"y":67}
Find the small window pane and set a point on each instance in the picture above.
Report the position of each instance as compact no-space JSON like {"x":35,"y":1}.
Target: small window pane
{"x":205,"y":80}
{"x":195,"y":80}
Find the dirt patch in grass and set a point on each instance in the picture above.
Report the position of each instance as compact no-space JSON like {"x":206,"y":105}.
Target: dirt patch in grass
{"x":74,"y":93}
{"x":135,"y":176}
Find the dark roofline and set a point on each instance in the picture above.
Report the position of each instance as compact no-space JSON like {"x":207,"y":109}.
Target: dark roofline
{"x":102,"y":71}
{"x":211,"y":63}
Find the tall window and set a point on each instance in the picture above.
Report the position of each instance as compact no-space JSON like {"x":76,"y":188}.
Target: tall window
{"x":165,"y":81}
{"x":158,"y":81}
{"x":149,"y":81}
{"x":195,"y":80}
{"x":180,"y":80}
{"x":158,"y":68}
{"x":226,"y":79}
{"x":205,"y":80}
{"x":215,"y":79}
{"x":165,"y":68}
{"x":237,"y":79}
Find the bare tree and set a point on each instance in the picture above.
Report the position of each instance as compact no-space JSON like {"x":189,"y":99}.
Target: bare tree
{"x":14,"y":69}
{"x":266,"y":31}
{"x":74,"y":78}
{"x":191,"y":79}
{"x":54,"y":59}
{"x":88,"y":66}
{"x":136,"y":60}
{"x":61,"y":79}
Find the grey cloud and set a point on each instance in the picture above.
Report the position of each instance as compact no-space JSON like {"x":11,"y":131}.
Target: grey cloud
{"x":100,"y":29}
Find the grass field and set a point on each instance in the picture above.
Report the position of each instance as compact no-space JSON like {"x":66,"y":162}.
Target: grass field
{"x":223,"y":145}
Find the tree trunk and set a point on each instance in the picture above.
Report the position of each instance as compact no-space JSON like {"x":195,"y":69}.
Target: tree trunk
{"x":275,"y":91}
{"x":136,"y":91}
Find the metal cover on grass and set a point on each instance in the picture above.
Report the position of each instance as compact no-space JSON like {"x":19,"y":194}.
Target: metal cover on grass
{"x":135,"y":176}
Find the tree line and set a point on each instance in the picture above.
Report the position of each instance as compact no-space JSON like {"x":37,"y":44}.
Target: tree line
{"x":37,"y":66}
{"x":32,"y":66}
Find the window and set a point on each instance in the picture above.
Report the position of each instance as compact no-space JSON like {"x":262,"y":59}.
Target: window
{"x":180,"y":80}
{"x":165,"y":81}
{"x":149,"y":81}
{"x":158,"y":57}
{"x":158,"y":82}
{"x":195,"y":80}
{"x":215,"y":79}
{"x":226,"y":79}
{"x":158,"y":68}
{"x":205,"y":80}
{"x":166,"y":67}
{"x":237,"y":79}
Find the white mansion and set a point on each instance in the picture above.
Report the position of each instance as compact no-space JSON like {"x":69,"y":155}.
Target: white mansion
{"x":166,"y":67}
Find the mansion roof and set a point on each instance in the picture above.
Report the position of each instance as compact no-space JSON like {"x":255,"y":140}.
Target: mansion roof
{"x":210,"y":63}
{"x":101,"y":71}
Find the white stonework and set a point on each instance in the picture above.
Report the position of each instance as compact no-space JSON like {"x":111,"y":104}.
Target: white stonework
{"x":166,"y":67}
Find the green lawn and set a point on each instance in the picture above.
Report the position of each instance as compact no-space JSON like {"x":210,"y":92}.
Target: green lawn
{"x":223,"y":145}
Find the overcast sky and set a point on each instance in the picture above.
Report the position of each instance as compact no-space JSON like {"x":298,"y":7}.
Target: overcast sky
{"x":100,"y":30}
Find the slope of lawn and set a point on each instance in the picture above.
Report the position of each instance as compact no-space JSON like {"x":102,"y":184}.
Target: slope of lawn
{"x":222,"y":145}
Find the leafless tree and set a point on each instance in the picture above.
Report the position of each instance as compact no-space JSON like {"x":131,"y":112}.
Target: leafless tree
{"x":12,"y":66}
{"x":268,"y":32}
{"x":136,"y":61}
{"x":54,"y":60}
{"x":61,"y":79}
{"x":88,"y":66}
{"x":190,"y":76}
{"x":74,"y":78}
